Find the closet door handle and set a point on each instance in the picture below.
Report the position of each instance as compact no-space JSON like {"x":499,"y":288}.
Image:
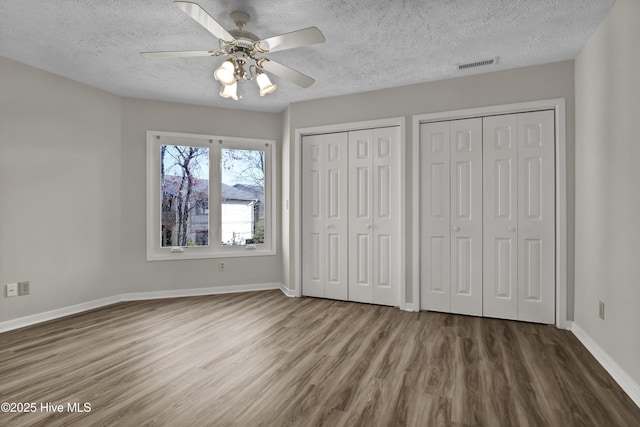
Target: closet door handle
{"x":456,"y":229}
{"x":511,"y":229}
{"x":369,"y":227}
{"x":330,"y":226}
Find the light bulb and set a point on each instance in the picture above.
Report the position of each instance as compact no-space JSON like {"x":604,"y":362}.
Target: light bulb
{"x":229,"y":91}
{"x":266,"y":87}
{"x":225,"y":73}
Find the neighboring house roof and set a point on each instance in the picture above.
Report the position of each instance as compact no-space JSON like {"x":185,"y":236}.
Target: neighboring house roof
{"x":235,"y":192}
{"x":242,"y":192}
{"x":172,"y":183}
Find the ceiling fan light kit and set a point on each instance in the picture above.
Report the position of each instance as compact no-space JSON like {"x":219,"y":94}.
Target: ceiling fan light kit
{"x":243,"y":47}
{"x":229,"y":91}
{"x":225,"y":73}
{"x":265,"y":85}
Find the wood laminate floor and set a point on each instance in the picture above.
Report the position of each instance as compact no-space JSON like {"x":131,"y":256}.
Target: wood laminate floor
{"x":261,"y":358}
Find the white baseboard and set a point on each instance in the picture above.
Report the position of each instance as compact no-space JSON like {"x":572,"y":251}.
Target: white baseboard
{"x":407,"y":307}
{"x":288,"y":292}
{"x":567,"y":325}
{"x":136,"y":296}
{"x":619,"y":375}
{"x":21,"y":322}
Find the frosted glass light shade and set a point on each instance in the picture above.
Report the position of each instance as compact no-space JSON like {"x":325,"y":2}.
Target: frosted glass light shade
{"x":225,"y":73}
{"x":229,"y":91}
{"x":266,"y":87}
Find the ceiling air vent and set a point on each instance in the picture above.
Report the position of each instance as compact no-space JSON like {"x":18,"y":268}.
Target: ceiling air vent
{"x":478,"y":63}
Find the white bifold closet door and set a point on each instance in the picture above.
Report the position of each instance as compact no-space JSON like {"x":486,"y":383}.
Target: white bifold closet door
{"x":325,"y":216}
{"x":519,"y":217}
{"x":374,"y":216}
{"x":451,"y":223}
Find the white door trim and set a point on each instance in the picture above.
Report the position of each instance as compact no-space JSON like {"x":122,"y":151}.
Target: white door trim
{"x":297,"y":187}
{"x":558,"y":105}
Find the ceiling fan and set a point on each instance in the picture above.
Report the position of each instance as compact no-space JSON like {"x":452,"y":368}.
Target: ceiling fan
{"x":246,"y":52}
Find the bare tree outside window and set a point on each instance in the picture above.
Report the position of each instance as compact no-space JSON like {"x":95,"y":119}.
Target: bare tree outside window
{"x":185,"y":191}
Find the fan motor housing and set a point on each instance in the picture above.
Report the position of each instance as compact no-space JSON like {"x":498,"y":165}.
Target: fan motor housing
{"x":244,"y":38}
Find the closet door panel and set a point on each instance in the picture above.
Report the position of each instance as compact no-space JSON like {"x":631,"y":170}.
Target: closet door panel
{"x":466,"y":216}
{"x":313,"y":223}
{"x":536,"y":217}
{"x":488,"y":216}
{"x":500,"y":157}
{"x":386,"y":215}
{"x":336,"y":255}
{"x":435,"y":247}
{"x":361,"y":216}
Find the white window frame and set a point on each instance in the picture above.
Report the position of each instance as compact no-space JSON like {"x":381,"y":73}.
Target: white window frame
{"x":215,"y":249}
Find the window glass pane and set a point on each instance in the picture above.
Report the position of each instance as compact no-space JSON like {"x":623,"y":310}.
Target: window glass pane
{"x":185,"y":195}
{"x":243,"y":213}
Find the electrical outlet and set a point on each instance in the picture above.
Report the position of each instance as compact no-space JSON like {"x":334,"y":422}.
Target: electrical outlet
{"x":601,"y":310}
{"x":24,"y":288}
{"x":222,"y":266}
{"x":11,"y":290}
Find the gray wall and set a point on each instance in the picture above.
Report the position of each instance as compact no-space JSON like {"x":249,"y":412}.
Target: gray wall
{"x":59,"y":190}
{"x":73,"y":192}
{"x":524,"y":84}
{"x":287,"y":257}
{"x":607,"y":180}
{"x":138,"y":116}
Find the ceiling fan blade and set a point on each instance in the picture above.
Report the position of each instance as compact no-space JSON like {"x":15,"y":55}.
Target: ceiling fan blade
{"x":182,"y":53}
{"x":287,"y":73}
{"x":305,"y":37}
{"x":203,"y":18}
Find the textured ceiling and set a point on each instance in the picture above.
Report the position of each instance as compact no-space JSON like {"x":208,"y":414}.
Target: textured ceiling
{"x":371,"y":44}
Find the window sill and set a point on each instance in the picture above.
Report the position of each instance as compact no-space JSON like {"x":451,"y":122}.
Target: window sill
{"x":190,"y":254}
